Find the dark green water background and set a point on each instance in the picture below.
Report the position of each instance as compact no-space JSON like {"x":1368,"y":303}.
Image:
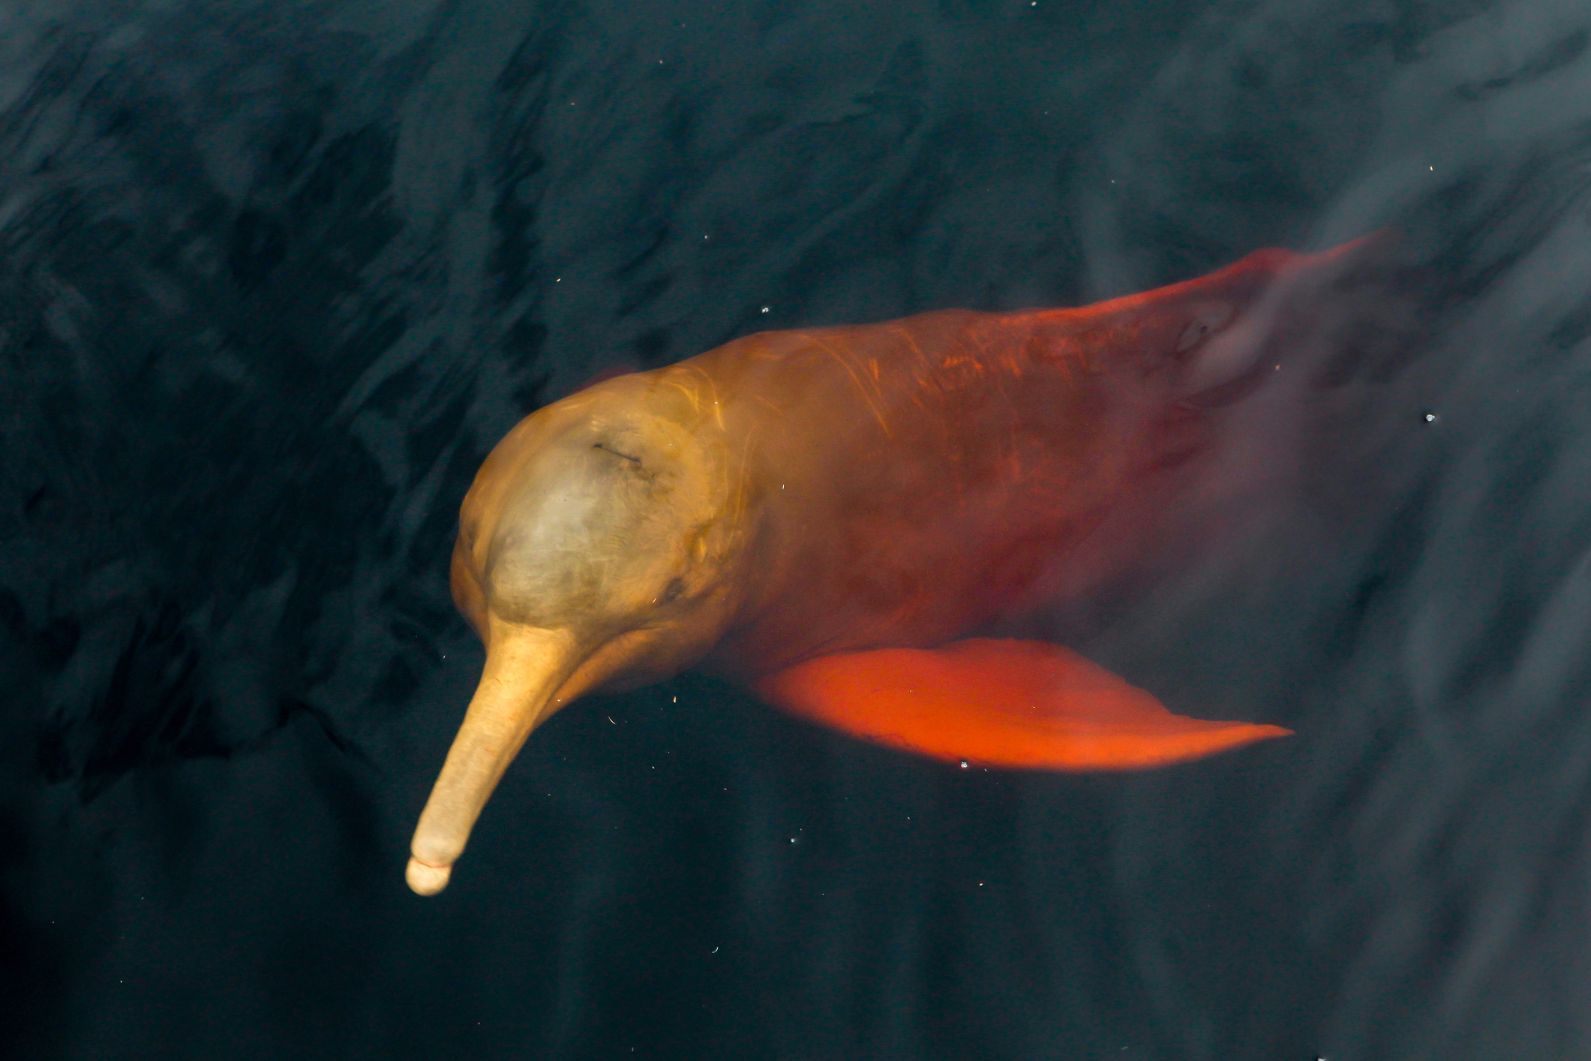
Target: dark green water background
{"x":275,"y":276}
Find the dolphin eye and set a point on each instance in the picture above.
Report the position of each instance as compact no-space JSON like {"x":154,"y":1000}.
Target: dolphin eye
{"x":1192,"y":335}
{"x":1206,"y":320}
{"x":673,"y":590}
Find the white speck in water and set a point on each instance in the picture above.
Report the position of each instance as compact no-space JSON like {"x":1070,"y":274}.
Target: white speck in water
{"x":963,"y":764}
{"x":610,"y":720}
{"x":673,"y":700}
{"x":1431,"y":168}
{"x":1430,"y":418}
{"x":715,"y":950}
{"x":765,"y":309}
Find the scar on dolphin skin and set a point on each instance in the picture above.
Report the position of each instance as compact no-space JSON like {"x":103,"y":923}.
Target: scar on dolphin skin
{"x":830,"y":517}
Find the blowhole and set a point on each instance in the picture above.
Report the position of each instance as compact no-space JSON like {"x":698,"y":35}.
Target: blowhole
{"x":604,"y":447}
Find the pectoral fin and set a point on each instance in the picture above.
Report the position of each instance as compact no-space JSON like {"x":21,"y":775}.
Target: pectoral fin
{"x":1000,"y":702}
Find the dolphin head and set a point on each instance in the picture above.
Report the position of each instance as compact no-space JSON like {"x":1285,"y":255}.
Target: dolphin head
{"x":600,"y":547}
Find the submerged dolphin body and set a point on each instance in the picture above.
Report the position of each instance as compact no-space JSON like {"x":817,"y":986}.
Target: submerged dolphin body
{"x":821,"y":514}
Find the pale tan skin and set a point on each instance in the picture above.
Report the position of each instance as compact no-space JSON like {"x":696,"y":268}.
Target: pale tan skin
{"x":597,"y":549}
{"x":795,"y":494}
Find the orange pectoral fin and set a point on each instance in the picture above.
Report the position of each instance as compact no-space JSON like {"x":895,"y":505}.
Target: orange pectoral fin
{"x":1002,"y":703}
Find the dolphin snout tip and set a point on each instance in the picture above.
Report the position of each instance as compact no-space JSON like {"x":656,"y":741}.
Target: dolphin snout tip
{"x":426,"y":879}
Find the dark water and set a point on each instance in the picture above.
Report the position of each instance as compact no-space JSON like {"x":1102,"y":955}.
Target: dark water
{"x":275,"y":276}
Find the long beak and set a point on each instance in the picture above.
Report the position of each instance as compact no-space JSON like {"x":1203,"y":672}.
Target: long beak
{"x":526,"y":668}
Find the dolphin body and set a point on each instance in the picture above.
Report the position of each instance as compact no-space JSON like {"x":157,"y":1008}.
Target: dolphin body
{"x":826,"y":515}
